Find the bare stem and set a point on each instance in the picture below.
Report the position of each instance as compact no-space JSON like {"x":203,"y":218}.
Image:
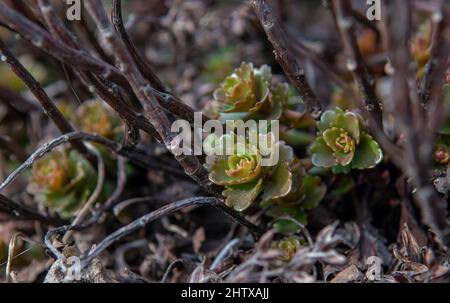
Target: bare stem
{"x":284,"y":56}
{"x":355,"y":63}
{"x":35,"y":87}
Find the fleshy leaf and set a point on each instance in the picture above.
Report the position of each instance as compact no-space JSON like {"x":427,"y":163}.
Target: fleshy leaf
{"x":62,"y":181}
{"x":322,"y":155}
{"x":288,"y":227}
{"x":343,"y":159}
{"x":241,"y":196}
{"x":327,"y":119}
{"x":368,"y":154}
{"x":218,"y":168}
{"x":281,"y":183}
{"x":349,"y":122}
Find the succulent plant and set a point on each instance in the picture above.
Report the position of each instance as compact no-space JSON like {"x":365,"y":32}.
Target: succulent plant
{"x":441,"y":152}
{"x":98,"y":118}
{"x":343,"y":143}
{"x":242,"y":174}
{"x":248,"y":94}
{"x":62,"y":181}
{"x":288,"y":247}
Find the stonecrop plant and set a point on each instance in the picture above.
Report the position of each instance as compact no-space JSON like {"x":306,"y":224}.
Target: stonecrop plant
{"x":62,"y":180}
{"x":242,"y":173}
{"x":343,"y":143}
{"x":288,"y":247}
{"x":96,"y":117}
{"x":286,"y":188}
{"x":283,"y":188}
{"x":248,"y":93}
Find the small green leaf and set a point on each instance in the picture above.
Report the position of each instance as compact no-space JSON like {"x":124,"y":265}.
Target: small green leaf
{"x":241,"y":196}
{"x":322,"y":155}
{"x":350,"y":123}
{"x":368,"y":154}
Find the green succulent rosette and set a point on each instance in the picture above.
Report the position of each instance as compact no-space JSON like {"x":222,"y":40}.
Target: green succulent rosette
{"x":98,"y":118}
{"x":288,"y":247}
{"x":343,"y":144}
{"x":62,"y":180}
{"x":441,"y":151}
{"x":248,"y":94}
{"x":242,"y":174}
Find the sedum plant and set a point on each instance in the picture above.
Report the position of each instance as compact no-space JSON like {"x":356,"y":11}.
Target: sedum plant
{"x":441,"y":152}
{"x":284,"y":189}
{"x":62,"y":180}
{"x":242,"y":174}
{"x":98,"y":118}
{"x":248,"y":94}
{"x":288,"y":247}
{"x":343,"y":143}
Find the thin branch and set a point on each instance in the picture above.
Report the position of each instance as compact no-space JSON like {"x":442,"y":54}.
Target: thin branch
{"x":35,"y":87}
{"x":430,"y":88}
{"x":356,"y":64}
{"x":439,"y":56}
{"x":285,"y":58}
{"x":99,"y":87}
{"x":417,"y":150}
{"x":141,"y":64}
{"x":165,"y":98}
{"x":80,"y":59}
{"x":224,"y":253}
{"x":44,"y":40}
{"x":24,"y":212}
{"x":17,"y":101}
{"x":12,"y":147}
{"x":87,"y":206}
{"x":306,"y":51}
{"x":125,"y":151}
{"x":362,"y":19}
{"x":145,"y":93}
{"x":142,"y":222}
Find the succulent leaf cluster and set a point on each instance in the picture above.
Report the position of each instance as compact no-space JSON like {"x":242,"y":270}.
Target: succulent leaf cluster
{"x":62,"y":180}
{"x":283,"y":189}
{"x":242,"y":173}
{"x":98,"y":118}
{"x":248,"y":93}
{"x":343,"y":143}
{"x":288,"y":247}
